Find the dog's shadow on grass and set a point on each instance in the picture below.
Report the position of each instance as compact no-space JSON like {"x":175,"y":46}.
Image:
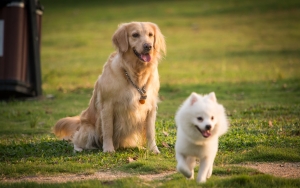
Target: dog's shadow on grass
{"x":52,"y":148}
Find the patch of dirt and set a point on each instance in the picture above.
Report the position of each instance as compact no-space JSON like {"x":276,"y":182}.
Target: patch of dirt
{"x":103,"y":176}
{"x":285,"y":170}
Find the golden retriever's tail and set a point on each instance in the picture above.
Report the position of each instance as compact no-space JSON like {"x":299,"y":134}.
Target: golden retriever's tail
{"x":66,"y":127}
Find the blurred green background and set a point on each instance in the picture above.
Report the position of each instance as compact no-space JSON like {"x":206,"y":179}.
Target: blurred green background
{"x":247,"y":51}
{"x":216,"y":41}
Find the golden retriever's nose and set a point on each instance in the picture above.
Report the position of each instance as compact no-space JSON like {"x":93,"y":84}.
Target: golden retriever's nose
{"x":147,"y":47}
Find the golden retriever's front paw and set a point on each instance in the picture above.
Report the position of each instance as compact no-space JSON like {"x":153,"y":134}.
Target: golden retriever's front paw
{"x":153,"y":147}
{"x":155,"y":150}
{"x":108,"y":146}
{"x":110,"y":149}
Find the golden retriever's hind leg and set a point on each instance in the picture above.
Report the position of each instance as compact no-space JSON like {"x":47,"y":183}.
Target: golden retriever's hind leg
{"x":76,"y":148}
{"x":85,"y":138}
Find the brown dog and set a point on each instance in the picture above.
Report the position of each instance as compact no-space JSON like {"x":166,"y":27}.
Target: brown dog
{"x":122,"y":110}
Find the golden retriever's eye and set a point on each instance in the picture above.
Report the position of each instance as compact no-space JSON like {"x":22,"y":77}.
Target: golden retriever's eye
{"x":212,"y":117}
{"x":135,"y":35}
{"x":150,"y":34}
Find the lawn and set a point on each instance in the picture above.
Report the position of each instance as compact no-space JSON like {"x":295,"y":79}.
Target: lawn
{"x":247,"y":52}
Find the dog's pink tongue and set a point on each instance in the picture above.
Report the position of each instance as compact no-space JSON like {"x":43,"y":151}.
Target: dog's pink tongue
{"x":205,"y":134}
{"x":146,"y":57}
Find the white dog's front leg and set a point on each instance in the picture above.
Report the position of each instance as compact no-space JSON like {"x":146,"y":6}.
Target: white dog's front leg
{"x":191,"y":162}
{"x":205,"y":169}
{"x":150,"y":128}
{"x":209,"y":173}
{"x":107,"y":128}
{"x":182,"y":166}
{"x":206,"y":162}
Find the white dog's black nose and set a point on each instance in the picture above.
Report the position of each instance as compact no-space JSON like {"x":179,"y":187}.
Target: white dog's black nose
{"x":208,"y":127}
{"x":147,"y":47}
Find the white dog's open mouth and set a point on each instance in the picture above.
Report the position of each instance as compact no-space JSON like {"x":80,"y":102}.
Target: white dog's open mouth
{"x":143,"y":57}
{"x":205,"y":133}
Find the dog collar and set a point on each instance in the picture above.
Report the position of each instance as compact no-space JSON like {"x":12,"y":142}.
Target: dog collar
{"x":142,"y":91}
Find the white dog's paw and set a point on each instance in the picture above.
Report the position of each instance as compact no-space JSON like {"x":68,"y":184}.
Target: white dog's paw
{"x":201,"y":179}
{"x":209,"y":174}
{"x":185,"y":171}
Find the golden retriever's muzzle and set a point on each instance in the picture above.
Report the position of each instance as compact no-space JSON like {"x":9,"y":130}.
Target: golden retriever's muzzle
{"x":144,"y":55}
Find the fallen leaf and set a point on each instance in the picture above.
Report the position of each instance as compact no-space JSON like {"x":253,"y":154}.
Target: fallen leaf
{"x":165,"y":133}
{"x":270,"y":124}
{"x":165,"y":145}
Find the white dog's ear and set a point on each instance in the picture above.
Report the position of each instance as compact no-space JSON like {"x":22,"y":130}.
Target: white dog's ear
{"x":120,"y":38}
{"x":159,"y":40}
{"x":193,"y":98}
{"x":212,"y":96}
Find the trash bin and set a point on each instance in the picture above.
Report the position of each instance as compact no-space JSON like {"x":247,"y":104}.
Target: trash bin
{"x":20,"y":34}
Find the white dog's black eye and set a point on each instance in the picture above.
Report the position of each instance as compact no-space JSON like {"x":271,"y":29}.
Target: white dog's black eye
{"x":212,"y":117}
{"x":200,"y":118}
{"x":135,"y":35}
{"x":150,"y":34}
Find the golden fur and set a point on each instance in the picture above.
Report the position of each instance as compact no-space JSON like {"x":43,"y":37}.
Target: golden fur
{"x":114,"y":117}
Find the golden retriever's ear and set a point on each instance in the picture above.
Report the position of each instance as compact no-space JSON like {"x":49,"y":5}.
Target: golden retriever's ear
{"x":120,"y":39}
{"x":159,"y":40}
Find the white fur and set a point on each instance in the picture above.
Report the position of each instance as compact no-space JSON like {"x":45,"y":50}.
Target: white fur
{"x":191,"y":143}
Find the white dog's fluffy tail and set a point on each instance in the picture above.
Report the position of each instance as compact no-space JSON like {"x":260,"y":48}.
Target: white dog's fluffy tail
{"x":66,"y":127}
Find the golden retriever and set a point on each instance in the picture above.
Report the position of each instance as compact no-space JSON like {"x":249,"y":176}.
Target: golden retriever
{"x":122,"y":110}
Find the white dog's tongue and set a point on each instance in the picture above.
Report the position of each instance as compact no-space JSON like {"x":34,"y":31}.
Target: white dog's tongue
{"x":146,"y":57}
{"x":205,"y":133}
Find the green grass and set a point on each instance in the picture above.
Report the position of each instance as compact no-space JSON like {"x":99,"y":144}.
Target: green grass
{"x":248,"y":52}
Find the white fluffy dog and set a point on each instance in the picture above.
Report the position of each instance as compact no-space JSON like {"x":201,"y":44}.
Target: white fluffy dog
{"x":200,"y":121}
